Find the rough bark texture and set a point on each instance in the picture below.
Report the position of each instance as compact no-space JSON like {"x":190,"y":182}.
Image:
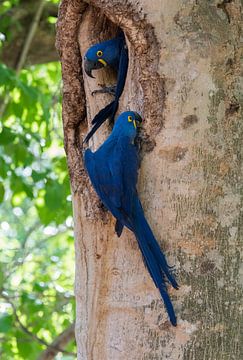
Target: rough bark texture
{"x":184,"y":78}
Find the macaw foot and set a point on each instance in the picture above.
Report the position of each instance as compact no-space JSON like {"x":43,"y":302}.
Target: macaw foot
{"x":105,"y":90}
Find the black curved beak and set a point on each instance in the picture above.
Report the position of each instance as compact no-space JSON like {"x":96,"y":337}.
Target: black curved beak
{"x":138,"y":118}
{"x":90,"y":65}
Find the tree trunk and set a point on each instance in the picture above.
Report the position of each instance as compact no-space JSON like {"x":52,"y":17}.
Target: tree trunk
{"x":184,"y":71}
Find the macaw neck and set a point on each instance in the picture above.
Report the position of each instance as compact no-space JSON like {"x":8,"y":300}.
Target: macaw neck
{"x":115,"y":64}
{"x":112,"y":53}
{"x":124,"y":131}
{"x":117,"y":135}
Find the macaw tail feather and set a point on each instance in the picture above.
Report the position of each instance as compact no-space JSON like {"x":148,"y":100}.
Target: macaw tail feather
{"x":108,"y":112}
{"x":158,"y":254}
{"x":118,"y":228}
{"x":155,"y":261}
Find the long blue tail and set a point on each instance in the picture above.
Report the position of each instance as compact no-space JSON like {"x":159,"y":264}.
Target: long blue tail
{"x":108,"y":112}
{"x":154,"y":260}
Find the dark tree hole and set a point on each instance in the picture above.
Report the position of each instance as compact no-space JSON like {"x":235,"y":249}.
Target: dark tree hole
{"x":144,"y":89}
{"x":100,"y":29}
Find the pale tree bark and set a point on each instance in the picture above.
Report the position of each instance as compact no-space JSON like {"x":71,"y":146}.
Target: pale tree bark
{"x":184,"y":78}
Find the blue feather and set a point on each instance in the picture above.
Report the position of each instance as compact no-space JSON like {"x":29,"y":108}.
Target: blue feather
{"x":115,"y":54}
{"x":156,"y":268}
{"x":118,"y":228}
{"x":113,"y":170}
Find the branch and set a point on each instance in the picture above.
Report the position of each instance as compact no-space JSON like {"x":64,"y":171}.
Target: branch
{"x":59,"y":343}
{"x":31,"y":33}
{"x":15,"y":264}
{"x":54,"y":347}
{"x":42,"y":48}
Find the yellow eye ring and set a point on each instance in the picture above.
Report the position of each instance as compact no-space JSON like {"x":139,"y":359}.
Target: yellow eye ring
{"x":129,"y":118}
{"x":99,"y":53}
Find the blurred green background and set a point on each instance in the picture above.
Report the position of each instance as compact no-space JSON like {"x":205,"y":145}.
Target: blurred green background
{"x":36,"y":229}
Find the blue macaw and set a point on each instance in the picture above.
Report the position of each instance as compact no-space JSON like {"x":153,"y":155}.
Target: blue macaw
{"x":112,"y":53}
{"x":113,"y":171}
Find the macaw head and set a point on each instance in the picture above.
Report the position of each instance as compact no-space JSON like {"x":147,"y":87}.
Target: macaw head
{"x":127,"y":123}
{"x":101,"y":55}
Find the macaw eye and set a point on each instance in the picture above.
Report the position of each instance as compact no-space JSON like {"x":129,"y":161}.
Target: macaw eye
{"x":129,"y":118}
{"x":99,"y":53}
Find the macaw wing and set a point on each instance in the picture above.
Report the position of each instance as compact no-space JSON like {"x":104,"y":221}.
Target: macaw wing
{"x":100,"y":118}
{"x":121,"y":75}
{"x":122,"y":70}
{"x":124,"y":170}
{"x":113,"y":173}
{"x":96,"y":177}
{"x":97,"y":165}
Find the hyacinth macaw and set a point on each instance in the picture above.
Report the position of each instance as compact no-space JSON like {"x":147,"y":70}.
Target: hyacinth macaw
{"x":113,"y":171}
{"x":111,"y":53}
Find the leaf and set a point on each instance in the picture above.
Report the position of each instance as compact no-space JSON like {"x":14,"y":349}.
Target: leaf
{"x":21,"y":153}
{"x":18,"y":152}
{"x":6,"y":75}
{"x":28,"y":140}
{"x":17,"y":109}
{"x":37,"y":176}
{"x":6,"y":136}
{"x":1,"y":275}
{"x":25,"y":346}
{"x":40,"y":287}
{"x":53,"y":196}
{"x":6,"y":321}
{"x":16,"y":184}
{"x":2,"y":192}
{"x":45,"y":216}
{"x":28,"y":190}
{"x":4,"y":167}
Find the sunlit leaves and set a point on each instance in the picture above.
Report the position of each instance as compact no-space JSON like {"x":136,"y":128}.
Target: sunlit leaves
{"x":52,"y":19}
{"x":7,"y":4}
{"x":35,"y":235}
{"x":26,"y":348}
{"x":30,"y":135}
{"x":36,"y":239}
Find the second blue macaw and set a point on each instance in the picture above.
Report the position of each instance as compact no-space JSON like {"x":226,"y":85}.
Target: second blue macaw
{"x":111,"y":53}
{"x":113,"y":171}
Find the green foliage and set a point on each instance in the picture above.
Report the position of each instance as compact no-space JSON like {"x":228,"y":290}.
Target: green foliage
{"x":36,"y":237}
{"x":6,"y":20}
{"x":7,"y":5}
{"x":2,"y":192}
{"x":6,"y":321}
